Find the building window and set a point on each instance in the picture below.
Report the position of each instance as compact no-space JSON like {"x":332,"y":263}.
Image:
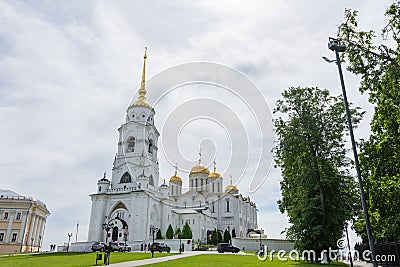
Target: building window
{"x":213,"y":207}
{"x":126,"y":178}
{"x":227,"y":206}
{"x":14,"y":237}
{"x":1,"y":237}
{"x":18,"y":216}
{"x":150,"y":146}
{"x":131,"y":144}
{"x":5,"y":216}
{"x":213,"y":187}
{"x":193,"y":221}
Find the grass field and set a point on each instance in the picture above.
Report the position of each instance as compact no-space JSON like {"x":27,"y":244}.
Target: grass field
{"x":89,"y":259}
{"x":70,"y":259}
{"x":231,"y":260}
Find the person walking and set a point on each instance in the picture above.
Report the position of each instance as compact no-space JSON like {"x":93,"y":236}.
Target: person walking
{"x":107,"y":251}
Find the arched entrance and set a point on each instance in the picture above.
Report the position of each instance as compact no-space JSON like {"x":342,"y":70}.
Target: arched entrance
{"x":115,"y":234}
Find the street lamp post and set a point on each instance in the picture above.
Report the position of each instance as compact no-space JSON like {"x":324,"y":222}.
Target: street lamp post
{"x":153,"y":230}
{"x":180,"y":242}
{"x":336,"y":46}
{"x":69,"y":239}
{"x":125,"y":236}
{"x":108,"y":225}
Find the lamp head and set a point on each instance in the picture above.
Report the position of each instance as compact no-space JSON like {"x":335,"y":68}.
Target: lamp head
{"x":336,"y":45}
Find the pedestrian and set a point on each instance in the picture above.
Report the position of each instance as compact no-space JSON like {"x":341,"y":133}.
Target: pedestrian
{"x":182,"y":247}
{"x":145,"y":248}
{"x":107,"y":251}
{"x":141,"y":247}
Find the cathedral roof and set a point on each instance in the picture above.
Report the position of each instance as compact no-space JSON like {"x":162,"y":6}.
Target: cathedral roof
{"x":231,"y":186}
{"x":199,"y":168}
{"x":214,"y":174}
{"x":175,"y":177}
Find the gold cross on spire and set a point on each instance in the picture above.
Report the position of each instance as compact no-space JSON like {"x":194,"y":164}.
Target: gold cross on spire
{"x":200,"y":155}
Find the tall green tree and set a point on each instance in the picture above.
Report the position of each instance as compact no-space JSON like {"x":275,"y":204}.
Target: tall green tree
{"x":318,"y":193}
{"x":158,"y":234}
{"x":170,"y":232}
{"x":178,"y":232}
{"x":227,"y":236}
{"x":186,"y":231}
{"x":375,"y":57}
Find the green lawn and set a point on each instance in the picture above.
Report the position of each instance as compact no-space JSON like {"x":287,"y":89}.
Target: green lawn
{"x":70,"y":259}
{"x":233,"y":260}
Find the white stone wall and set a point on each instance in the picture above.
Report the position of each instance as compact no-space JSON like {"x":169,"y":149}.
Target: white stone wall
{"x":271,"y":244}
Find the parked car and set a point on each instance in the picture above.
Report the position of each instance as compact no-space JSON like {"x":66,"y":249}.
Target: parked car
{"x":98,"y":246}
{"x":120,"y":246}
{"x":160,"y":247}
{"x":226,"y":247}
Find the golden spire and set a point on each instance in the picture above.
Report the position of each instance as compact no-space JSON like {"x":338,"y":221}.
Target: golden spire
{"x":200,"y":156}
{"x":215,"y":174}
{"x":231,"y":186}
{"x":176,"y":169}
{"x":142,"y":90}
{"x":215,"y":166}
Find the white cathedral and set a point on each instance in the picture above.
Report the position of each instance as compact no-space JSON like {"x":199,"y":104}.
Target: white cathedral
{"x":133,"y":201}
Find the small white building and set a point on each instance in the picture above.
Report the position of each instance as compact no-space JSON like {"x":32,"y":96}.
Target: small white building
{"x":133,"y":201}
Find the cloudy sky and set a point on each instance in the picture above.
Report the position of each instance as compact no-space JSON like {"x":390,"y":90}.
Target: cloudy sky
{"x":69,"y":69}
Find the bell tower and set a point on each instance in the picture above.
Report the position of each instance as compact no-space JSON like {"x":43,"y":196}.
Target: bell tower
{"x":135,"y":164}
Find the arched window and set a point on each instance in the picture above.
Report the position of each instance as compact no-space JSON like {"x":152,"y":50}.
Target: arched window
{"x":227,"y":206}
{"x":126,"y":178}
{"x":130,"y":144}
{"x":213,"y":187}
{"x":151,"y":180}
{"x":218,"y":187}
{"x":150,"y":146}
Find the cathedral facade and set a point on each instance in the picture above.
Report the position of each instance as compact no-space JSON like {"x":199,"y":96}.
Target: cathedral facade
{"x":133,"y":201}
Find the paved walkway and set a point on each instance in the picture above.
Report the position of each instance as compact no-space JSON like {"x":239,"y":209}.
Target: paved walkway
{"x":359,"y":264}
{"x":160,"y":259}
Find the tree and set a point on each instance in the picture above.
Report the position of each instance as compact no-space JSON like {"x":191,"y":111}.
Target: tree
{"x":159,"y":235}
{"x":227,"y":236}
{"x":178,"y":232}
{"x":377,"y":61}
{"x":216,"y":236}
{"x":186,"y":232}
{"x":318,"y":193}
{"x":170,"y":232}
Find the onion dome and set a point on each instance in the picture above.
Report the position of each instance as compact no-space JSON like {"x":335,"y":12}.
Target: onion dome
{"x":199,"y":168}
{"x":214,"y":174}
{"x":175,"y":177}
{"x":231,"y":186}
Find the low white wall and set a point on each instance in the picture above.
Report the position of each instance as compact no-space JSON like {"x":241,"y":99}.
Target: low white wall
{"x":254,"y":244}
{"x":81,"y":247}
{"x":173,"y":243}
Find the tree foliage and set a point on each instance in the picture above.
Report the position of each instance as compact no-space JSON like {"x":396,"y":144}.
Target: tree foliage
{"x":186,"y":231}
{"x":170,"y":232}
{"x":227,"y":236}
{"x":376,"y":58}
{"x":318,"y":193}
{"x":158,"y":234}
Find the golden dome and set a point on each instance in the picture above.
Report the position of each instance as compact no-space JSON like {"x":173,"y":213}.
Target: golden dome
{"x":141,"y":102}
{"x":214,"y":175}
{"x":231,"y":187}
{"x":199,"y":168}
{"x":175,"y":178}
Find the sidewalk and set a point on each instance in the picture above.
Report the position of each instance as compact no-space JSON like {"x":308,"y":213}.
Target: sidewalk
{"x":358,"y":263}
{"x":160,"y":259}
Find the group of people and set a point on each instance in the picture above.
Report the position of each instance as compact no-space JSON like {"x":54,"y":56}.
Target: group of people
{"x":52,"y":247}
{"x":145,"y":247}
